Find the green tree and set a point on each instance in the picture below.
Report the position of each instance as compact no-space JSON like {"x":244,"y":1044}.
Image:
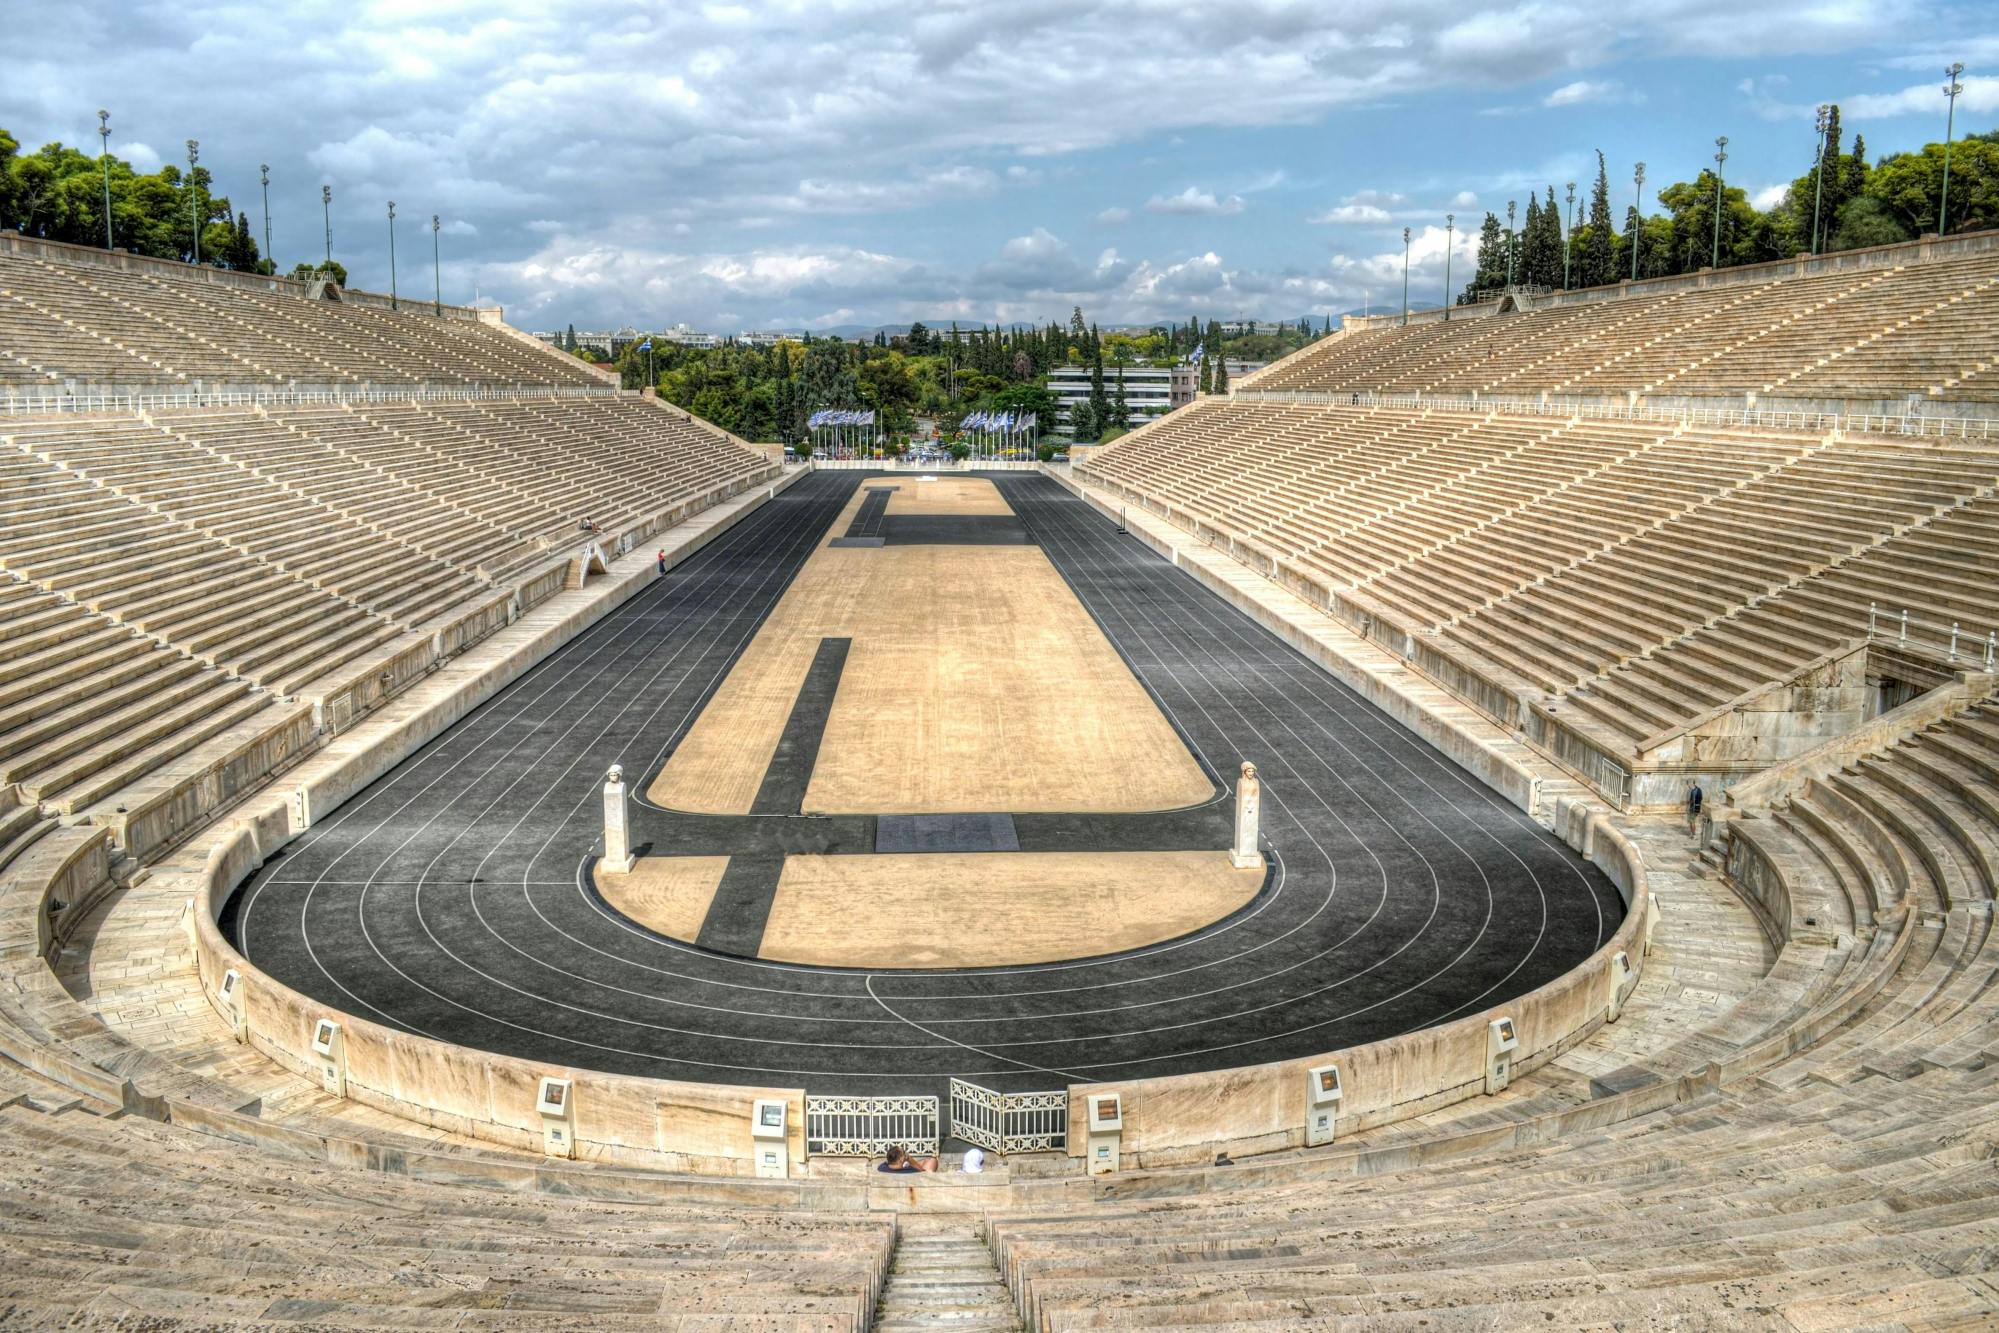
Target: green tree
{"x":1868,"y":221}
{"x":1597,"y":259}
{"x":1120,"y":409}
{"x":1908,"y":186}
{"x":334,"y":270}
{"x":1490,"y":273}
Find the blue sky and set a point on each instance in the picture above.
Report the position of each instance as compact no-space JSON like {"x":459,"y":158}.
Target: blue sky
{"x":861,"y":161}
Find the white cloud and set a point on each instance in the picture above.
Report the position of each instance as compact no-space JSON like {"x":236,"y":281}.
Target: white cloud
{"x":1194,"y":202}
{"x":1927,"y":99}
{"x":143,"y":157}
{"x":1772,"y":195}
{"x":1582,"y":92}
{"x":740,"y":134}
{"x":1353,"y":213}
{"x":1464,"y":199}
{"x":1113,"y":217}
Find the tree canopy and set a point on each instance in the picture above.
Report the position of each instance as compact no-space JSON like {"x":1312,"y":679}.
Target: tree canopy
{"x":57,"y":193}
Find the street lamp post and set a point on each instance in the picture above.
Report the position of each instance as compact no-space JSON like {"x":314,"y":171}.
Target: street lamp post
{"x":1638,"y":211}
{"x":1405,"y":275}
{"x":1950,"y":91}
{"x":193,"y":202}
{"x":436,"y":273}
{"x":1720,"y":159}
{"x":1824,"y":124}
{"x":264,"y":179}
{"x":1512,"y":206}
{"x":393,"y":305}
{"x":1569,"y":235}
{"x":104,"y":155}
{"x":1450,"y":223}
{"x":326,"y":216}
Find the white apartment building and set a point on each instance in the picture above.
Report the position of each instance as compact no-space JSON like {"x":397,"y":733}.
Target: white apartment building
{"x":1149,"y":391}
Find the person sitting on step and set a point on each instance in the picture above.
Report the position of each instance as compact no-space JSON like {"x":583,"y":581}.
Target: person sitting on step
{"x":900,"y":1162}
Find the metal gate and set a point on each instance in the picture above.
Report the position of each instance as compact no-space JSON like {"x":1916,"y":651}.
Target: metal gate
{"x":868,"y":1126}
{"x":1010,"y":1122}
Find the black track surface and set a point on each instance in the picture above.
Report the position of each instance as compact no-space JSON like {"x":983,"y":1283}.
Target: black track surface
{"x":452,"y":897}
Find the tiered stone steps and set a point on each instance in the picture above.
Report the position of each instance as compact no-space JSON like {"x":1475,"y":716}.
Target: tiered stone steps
{"x":114,"y":1220}
{"x":108,"y":327}
{"x":1879,"y":335}
{"x":942,"y":1278}
{"x":1642,"y":575}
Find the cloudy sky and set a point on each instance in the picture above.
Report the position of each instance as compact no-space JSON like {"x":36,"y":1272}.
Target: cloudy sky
{"x":862,"y":161}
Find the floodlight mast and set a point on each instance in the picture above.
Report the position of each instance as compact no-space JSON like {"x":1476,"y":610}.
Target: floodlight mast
{"x":393,"y":305}
{"x":326,"y":215}
{"x":1824,"y":124}
{"x":1569,"y":234}
{"x":104,"y":156}
{"x":1450,"y":224}
{"x":1512,"y":206}
{"x":193,"y":203}
{"x":1405,"y":276}
{"x":1720,"y":158}
{"x":1638,"y":210}
{"x":1950,"y":91}
{"x":264,"y":179}
{"x":436,"y":272}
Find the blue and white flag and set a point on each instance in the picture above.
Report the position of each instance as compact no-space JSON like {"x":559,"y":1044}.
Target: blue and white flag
{"x":646,"y":346}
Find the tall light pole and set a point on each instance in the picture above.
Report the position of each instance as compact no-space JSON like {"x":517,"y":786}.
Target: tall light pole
{"x":1824,"y":124}
{"x":1720,"y":158}
{"x":392,"y":257}
{"x":1950,"y":90}
{"x":1450,"y":223}
{"x":1637,"y":208}
{"x":194,"y":203}
{"x":1405,"y":275}
{"x":326,"y":216}
{"x":264,"y":179}
{"x":1512,"y":206}
{"x":436,"y":273}
{"x":104,"y":154}
{"x":1569,"y":235}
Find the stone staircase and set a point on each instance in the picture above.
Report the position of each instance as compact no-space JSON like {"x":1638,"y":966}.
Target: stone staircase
{"x":943,"y":1277}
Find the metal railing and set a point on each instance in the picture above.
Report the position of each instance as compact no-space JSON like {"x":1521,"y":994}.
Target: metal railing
{"x":1952,"y":643}
{"x":1600,"y":410}
{"x":153,"y":400}
{"x":1010,"y":1122}
{"x":869,"y":1126}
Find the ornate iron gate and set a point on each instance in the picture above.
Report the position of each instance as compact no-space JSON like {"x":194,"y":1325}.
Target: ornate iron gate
{"x":1010,"y":1122}
{"x":867,"y":1126}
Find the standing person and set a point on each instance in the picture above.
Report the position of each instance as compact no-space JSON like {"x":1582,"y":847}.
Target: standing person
{"x":1694,"y":809}
{"x":661,"y":557}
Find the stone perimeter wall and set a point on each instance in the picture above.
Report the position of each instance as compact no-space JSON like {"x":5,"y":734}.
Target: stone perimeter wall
{"x":1181,"y":1119}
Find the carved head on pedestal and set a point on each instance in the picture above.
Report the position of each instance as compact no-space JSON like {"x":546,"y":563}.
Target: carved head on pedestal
{"x":1248,"y":770}
{"x":615,"y":774}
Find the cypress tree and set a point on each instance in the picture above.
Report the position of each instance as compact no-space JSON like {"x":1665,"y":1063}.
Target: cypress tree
{"x":1491,"y":270}
{"x":1599,"y":259}
{"x":1100,"y":405}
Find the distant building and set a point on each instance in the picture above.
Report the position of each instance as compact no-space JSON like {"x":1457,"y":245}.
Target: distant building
{"x":1149,"y":391}
{"x":683,"y":336}
{"x":766,"y":337}
{"x":606,"y":345}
